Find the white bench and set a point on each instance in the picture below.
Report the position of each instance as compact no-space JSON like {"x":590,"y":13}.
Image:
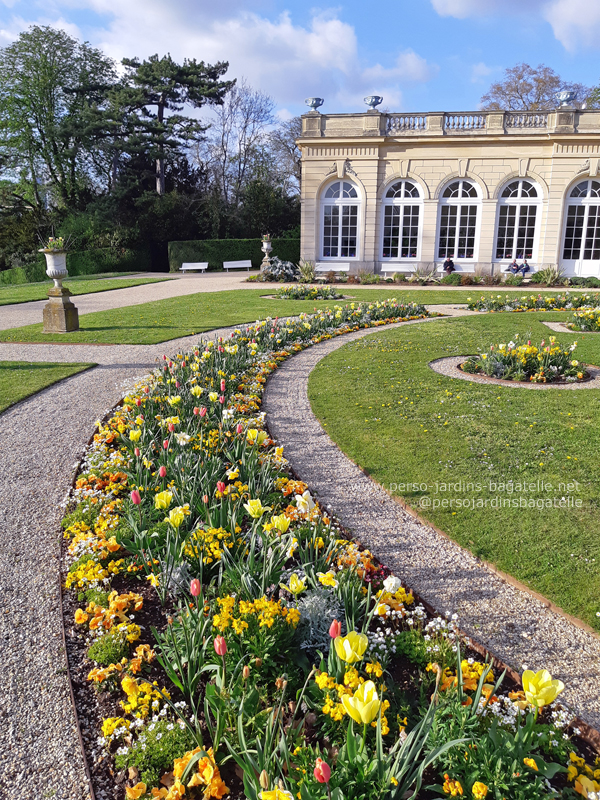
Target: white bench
{"x":191,"y":266}
{"x":323,"y":267}
{"x":227,"y":265}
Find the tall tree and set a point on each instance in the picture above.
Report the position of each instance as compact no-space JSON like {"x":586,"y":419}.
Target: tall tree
{"x":49,"y":85}
{"x":285,"y":151}
{"x":527,"y":88}
{"x":156,"y":89}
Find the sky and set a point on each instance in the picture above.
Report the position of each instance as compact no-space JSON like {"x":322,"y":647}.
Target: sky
{"x":419,"y":55}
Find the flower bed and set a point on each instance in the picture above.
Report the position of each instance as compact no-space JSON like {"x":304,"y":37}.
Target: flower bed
{"x":302,"y":292}
{"x":533,"y":302}
{"x":240,"y":645}
{"x":546,"y":363}
{"x":585,"y":319}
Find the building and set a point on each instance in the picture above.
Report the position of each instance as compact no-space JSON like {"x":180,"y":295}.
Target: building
{"x":388,"y":192}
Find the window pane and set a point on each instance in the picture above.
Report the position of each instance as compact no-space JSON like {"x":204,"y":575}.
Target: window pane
{"x":395,"y":190}
{"x":348,"y":230}
{"x":592,"y":234}
{"x":349,"y":190}
{"x":331,"y":217}
{"x":573,"y":231}
{"x":410,"y":190}
{"x":468,"y":190}
{"x":410,"y":232}
{"x":512,"y":190}
{"x":452,"y":190}
{"x":525,"y":232}
{"x":466,"y":232}
{"x":580,"y":190}
{"x":333,"y":191}
{"x":528,"y":190}
{"x":447,"y":231}
{"x":506,"y":232}
{"x":391,"y":231}
{"x":595,"y":189}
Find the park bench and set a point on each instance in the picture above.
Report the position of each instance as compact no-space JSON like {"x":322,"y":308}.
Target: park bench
{"x":227,"y":265}
{"x":192,"y":266}
{"x":323,"y":267}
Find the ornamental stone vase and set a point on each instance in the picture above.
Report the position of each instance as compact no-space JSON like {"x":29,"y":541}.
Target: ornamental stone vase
{"x":60,"y":314}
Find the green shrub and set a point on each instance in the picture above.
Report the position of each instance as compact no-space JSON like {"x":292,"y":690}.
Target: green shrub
{"x":399,"y":277}
{"x":369,"y":278}
{"x":513,"y":280}
{"x":216,"y":251}
{"x":454,"y":279}
{"x":156,"y":748}
{"x":84,"y":262}
{"x":110,"y":648}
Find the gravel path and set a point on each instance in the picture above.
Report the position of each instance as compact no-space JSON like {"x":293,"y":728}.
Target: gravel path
{"x":513,"y":624}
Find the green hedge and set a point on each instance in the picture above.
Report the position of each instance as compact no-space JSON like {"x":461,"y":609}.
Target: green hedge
{"x":216,"y":251}
{"x":83,"y":262}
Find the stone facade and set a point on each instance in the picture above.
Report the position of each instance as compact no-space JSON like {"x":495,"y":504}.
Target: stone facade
{"x":550,"y":155}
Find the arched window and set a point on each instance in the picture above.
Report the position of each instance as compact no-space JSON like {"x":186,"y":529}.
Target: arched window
{"x":340,"y":220}
{"x":401,"y":221}
{"x":581,"y":246}
{"x":458,"y":226}
{"x":518,"y":221}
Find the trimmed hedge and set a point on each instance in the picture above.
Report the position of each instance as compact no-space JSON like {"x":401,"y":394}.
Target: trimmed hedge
{"x":83,"y":262}
{"x":216,"y":251}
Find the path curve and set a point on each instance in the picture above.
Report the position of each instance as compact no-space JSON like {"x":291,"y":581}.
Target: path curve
{"x":518,"y":627}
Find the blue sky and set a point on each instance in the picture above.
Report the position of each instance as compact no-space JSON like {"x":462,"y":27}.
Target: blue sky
{"x":420,"y":55}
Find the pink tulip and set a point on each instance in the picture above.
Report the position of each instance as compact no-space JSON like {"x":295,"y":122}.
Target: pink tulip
{"x":136,"y":450}
{"x":335,"y":629}
{"x":195,"y":587}
{"x":205,"y":498}
{"x":136,"y":498}
{"x":166,"y":444}
{"x":239,"y":428}
{"x":221,"y":349}
{"x":203,"y":411}
{"x":162,"y":471}
{"x":220,"y":486}
{"x":322,"y":771}
{"x":171,"y":427}
{"x":138,"y":402}
{"x":220,"y":645}
{"x":177,"y":384}
{"x":146,"y":390}
{"x":196,"y":411}
{"x":221,"y":399}
{"x":222,"y":384}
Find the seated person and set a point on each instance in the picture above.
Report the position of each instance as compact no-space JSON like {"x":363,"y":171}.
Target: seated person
{"x":524,"y":268}
{"x":449,"y":267}
{"x":514,"y":267}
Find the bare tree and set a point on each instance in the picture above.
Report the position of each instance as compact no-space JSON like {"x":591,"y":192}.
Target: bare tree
{"x":286,"y":153}
{"x":235,"y":139}
{"x":527,"y":88}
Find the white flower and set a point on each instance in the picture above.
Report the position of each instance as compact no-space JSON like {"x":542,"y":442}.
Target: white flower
{"x":392,"y":584}
{"x":304,"y":502}
{"x":183,"y":438}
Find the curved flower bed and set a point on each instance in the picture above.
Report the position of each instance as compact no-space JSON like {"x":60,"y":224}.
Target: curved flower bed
{"x":585,"y":319}
{"x":546,"y":363}
{"x":533,"y":302}
{"x":240,"y":645}
{"x":301,"y":292}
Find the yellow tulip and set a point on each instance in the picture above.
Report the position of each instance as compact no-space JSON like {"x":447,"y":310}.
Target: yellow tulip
{"x":196,"y":391}
{"x":256,"y":509}
{"x":351,"y":648}
{"x":281,"y":522}
{"x":134,"y":435}
{"x":364,"y":704}
{"x":163,"y":500}
{"x":255,"y":437}
{"x":297,"y":585}
{"x":539,"y":687}
{"x":176,"y":517}
{"x":276,"y":794}
{"x":174,"y":401}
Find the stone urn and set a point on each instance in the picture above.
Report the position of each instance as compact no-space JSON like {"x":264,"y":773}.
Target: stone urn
{"x":266,"y":248}
{"x":60,"y":314}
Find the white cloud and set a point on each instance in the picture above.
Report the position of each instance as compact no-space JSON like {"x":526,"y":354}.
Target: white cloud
{"x":480,"y":71}
{"x":575,"y":22}
{"x":482,"y":8}
{"x":409,"y":67}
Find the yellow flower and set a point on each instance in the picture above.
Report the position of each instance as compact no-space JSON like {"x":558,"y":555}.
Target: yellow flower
{"x":540,"y":689}
{"x":153,"y":580}
{"x":163,"y":500}
{"x":364,"y":704}
{"x":135,"y":435}
{"x":213,"y":397}
{"x":529,"y":762}
{"x":256,"y":509}
{"x":451,"y":787}
{"x":351,"y":648}
{"x":196,"y":391}
{"x":297,"y":585}
{"x":176,"y":517}
{"x":328,"y":579}
{"x":479,"y":790}
{"x":276,"y":794}
{"x":255,"y":436}
{"x":281,"y":523}
{"x":174,"y":401}
{"x":136,"y":791}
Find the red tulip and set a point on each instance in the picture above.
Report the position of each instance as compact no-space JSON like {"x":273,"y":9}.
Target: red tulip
{"x":166,"y":444}
{"x":222,"y":384}
{"x":138,"y":402}
{"x":322,"y":771}
{"x":162,"y":471}
{"x":164,"y":358}
{"x":203,"y":411}
{"x":196,"y":411}
{"x":335,"y":629}
{"x":220,"y":645}
{"x":195,"y":587}
{"x":171,"y":427}
{"x":146,"y":390}
{"x":136,"y":450}
{"x":220,"y":486}
{"x":136,"y":498}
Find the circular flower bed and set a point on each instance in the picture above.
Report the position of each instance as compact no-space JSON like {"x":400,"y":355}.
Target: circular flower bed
{"x":533,"y":302}
{"x":585,"y":319}
{"x":546,"y":363}
{"x":307,"y":293}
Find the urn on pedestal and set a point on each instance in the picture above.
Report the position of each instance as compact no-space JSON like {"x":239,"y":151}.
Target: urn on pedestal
{"x":60,"y":315}
{"x":266,"y":248}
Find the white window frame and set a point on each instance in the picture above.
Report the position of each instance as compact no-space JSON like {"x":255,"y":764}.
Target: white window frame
{"x":459,"y":202}
{"x":519,"y":201}
{"x":339,"y":201}
{"x":402,"y":202}
{"x":584,"y":267}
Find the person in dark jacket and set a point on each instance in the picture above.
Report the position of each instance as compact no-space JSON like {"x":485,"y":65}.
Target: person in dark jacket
{"x":514,"y":267}
{"x":449,"y":267}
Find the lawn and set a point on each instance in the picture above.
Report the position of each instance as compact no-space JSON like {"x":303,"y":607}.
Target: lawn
{"x":405,"y":424}
{"x":20,"y":379}
{"x":172,"y":318}
{"x":26,"y":292}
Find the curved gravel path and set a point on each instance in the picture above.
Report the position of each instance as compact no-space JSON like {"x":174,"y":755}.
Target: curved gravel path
{"x":517,"y":626}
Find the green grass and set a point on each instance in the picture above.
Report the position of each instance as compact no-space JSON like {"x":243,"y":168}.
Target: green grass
{"x":25,"y":293}
{"x":405,"y":424}
{"x":172,"y":318}
{"x":20,"y":379}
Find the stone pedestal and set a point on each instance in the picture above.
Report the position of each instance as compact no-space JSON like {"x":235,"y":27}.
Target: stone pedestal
{"x":60,"y":315}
